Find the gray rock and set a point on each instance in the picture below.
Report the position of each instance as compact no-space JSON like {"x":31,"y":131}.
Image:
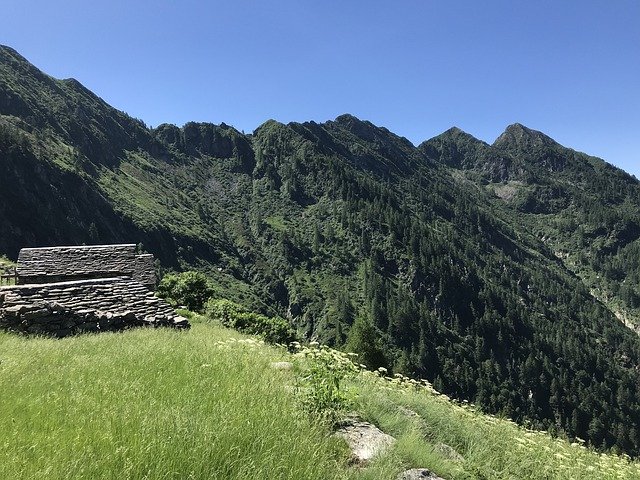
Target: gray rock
{"x":365,"y":439}
{"x":180,"y":322}
{"x":57,"y":308}
{"x":408,"y":412}
{"x":33,"y":314}
{"x":449,"y":452}
{"x":15,"y":310}
{"x":418,"y":474}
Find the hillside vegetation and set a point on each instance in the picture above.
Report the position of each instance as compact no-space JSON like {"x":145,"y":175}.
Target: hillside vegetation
{"x":206,"y":403}
{"x":497,"y":272}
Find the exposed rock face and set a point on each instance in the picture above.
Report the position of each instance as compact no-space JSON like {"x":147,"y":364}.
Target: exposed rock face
{"x":218,"y":141}
{"x":365,"y":439}
{"x":59,"y":264}
{"x":66,"y":308}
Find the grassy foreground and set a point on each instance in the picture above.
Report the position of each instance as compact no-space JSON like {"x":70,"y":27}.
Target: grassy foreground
{"x":153,"y":404}
{"x":206,"y":404}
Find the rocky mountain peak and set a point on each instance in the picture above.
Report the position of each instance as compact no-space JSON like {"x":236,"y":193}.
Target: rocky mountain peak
{"x":347,"y":119}
{"x":360,"y":128}
{"x":454,"y":131}
{"x":519,"y":136}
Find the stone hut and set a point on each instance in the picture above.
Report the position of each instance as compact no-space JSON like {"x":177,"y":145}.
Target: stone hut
{"x":63,"y":264}
{"x":61,"y":291}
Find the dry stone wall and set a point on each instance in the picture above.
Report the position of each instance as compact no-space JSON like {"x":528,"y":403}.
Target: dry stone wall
{"x":67,"y":308}
{"x":144,"y":270}
{"x":59,"y":264}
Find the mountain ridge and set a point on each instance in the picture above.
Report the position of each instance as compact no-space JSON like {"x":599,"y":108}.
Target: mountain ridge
{"x":470,"y":264}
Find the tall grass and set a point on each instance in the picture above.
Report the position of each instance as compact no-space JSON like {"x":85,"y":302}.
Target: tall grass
{"x":206,"y":404}
{"x":490,"y":447}
{"x":154,"y":404}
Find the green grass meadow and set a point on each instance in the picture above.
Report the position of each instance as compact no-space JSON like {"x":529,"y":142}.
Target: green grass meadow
{"x":153,"y":404}
{"x":207,"y":404}
{"x":490,"y":448}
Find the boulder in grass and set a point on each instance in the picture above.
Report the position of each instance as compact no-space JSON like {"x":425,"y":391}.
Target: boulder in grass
{"x":365,"y":440}
{"x":449,"y":452}
{"x":418,"y":474}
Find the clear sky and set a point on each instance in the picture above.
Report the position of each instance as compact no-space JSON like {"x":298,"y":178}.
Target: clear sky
{"x":570,"y":68}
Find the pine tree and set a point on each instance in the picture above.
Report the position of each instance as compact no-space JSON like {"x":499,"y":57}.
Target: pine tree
{"x":365,"y":340}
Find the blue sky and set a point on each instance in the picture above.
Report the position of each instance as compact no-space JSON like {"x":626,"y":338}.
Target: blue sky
{"x":568,"y":68}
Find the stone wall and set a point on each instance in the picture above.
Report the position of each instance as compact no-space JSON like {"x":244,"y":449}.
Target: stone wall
{"x":59,"y":264}
{"x":66,"y":308}
{"x":144,"y":270}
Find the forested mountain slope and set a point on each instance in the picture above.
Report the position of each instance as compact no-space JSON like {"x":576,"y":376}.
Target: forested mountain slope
{"x":465,"y":263}
{"x":582,"y":208}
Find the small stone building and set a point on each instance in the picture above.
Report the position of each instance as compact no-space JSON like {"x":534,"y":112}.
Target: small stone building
{"x":61,"y":291}
{"x":63,"y":264}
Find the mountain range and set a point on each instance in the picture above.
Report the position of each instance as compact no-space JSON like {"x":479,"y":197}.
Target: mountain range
{"x":506,"y":274}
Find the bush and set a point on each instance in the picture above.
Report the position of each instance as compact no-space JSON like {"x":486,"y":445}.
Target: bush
{"x":321,"y":372}
{"x":232,"y":315}
{"x":191,"y":289}
{"x":224,"y":310}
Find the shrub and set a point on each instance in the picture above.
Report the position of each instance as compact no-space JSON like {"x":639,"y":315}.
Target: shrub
{"x":191,"y":289}
{"x":321,"y":374}
{"x":224,"y":310}
{"x":232,"y":315}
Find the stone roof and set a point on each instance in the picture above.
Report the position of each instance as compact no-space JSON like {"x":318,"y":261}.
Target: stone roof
{"x":58,"y":264}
